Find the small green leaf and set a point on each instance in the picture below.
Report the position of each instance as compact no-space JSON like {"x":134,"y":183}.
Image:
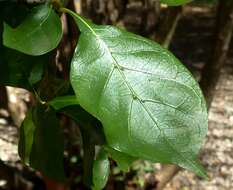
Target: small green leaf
{"x":175,"y":2}
{"x":41,"y":142}
{"x":101,"y":168}
{"x":38,"y":34}
{"x":26,"y":138}
{"x":63,"y":101}
{"x":36,"y":73}
{"x":148,"y":102}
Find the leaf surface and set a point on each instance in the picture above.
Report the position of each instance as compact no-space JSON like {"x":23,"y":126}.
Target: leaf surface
{"x":38,"y":34}
{"x":148,"y":102}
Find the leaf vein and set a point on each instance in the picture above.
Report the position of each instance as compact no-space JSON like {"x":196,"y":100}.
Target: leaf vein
{"x":160,"y":77}
{"x":105,"y":86}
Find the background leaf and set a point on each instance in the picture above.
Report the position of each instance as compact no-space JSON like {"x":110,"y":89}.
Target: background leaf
{"x":36,"y":73}
{"x":175,"y":2}
{"x":148,"y":102}
{"x":41,"y":142}
{"x":63,"y":101}
{"x":38,"y":34}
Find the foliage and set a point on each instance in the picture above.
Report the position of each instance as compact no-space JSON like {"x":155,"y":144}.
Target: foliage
{"x":175,"y":2}
{"x":131,"y":98}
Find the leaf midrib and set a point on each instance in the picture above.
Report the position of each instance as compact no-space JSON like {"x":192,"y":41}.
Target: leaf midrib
{"x":42,"y":22}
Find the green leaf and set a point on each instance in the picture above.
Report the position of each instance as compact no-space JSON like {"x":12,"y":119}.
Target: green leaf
{"x":175,"y":2}
{"x":101,"y":168}
{"x":148,"y":102}
{"x":63,"y":101}
{"x":36,"y":73}
{"x":41,"y":142}
{"x":38,"y":34}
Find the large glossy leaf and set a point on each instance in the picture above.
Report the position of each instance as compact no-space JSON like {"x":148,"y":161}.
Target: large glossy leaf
{"x":41,"y":142}
{"x":101,"y":168}
{"x":148,"y":102}
{"x":38,"y":34}
{"x":175,"y":2}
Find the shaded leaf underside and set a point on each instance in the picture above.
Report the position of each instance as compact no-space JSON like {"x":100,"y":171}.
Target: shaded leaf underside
{"x":41,"y":142}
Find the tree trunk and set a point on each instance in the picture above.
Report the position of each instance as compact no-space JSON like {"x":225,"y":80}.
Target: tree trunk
{"x":14,"y":178}
{"x":3,"y":98}
{"x":138,"y":16}
{"x":167,"y":26}
{"x":103,"y":11}
{"x":212,"y":69}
